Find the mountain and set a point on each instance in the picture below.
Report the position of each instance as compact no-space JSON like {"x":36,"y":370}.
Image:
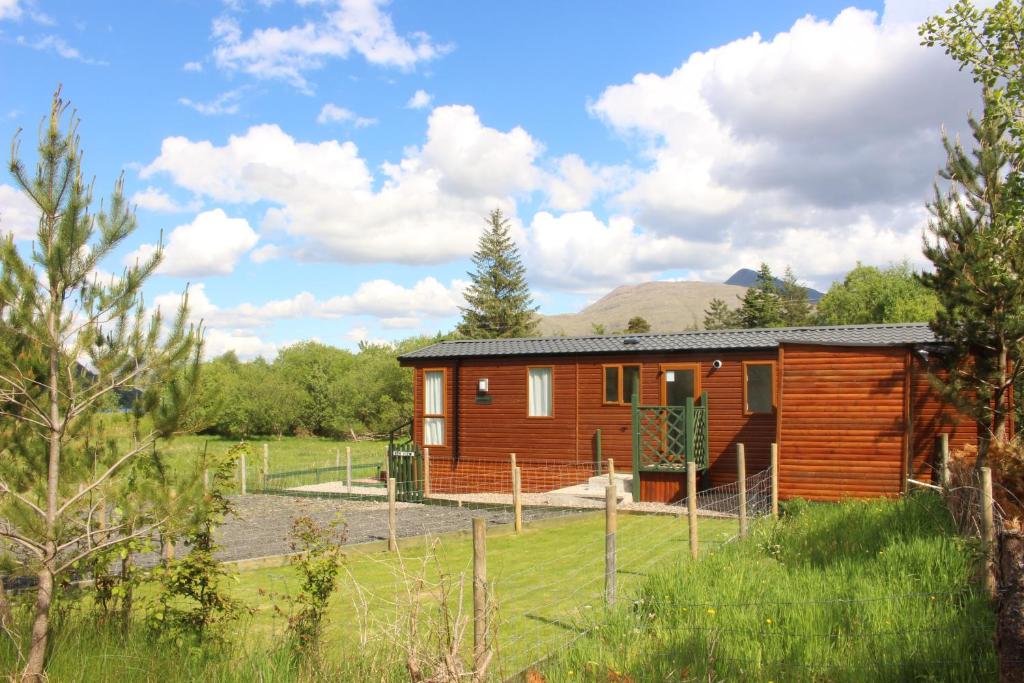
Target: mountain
{"x":667,"y":306}
{"x":745,"y":277}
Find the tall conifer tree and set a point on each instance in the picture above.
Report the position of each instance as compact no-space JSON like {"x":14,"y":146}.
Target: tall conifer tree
{"x":498,"y":302}
{"x":762,"y":305}
{"x":71,"y":341}
{"x":975,"y":242}
{"x":796,"y":306}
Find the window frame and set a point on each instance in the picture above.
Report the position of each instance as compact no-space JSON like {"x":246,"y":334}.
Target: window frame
{"x":551,"y":370}
{"x":444,"y":407}
{"x":669,"y":367}
{"x":775,"y":387}
{"x":623,"y":401}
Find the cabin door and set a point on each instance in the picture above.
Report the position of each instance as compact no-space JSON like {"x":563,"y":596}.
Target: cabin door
{"x":679,"y":381}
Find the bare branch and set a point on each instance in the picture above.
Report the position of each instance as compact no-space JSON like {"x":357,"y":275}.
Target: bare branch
{"x":124,"y":539}
{"x":5,"y":488}
{"x":139,"y":447}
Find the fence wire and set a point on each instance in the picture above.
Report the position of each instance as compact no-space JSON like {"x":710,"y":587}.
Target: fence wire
{"x":724,"y":500}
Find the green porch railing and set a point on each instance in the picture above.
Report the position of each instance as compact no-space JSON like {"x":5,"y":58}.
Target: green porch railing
{"x":405,"y":464}
{"x":665,"y":438}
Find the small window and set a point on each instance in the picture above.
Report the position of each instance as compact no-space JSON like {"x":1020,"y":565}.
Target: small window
{"x":433,"y":407}
{"x":620,"y":381}
{"x":538,"y":382}
{"x":759,"y":387}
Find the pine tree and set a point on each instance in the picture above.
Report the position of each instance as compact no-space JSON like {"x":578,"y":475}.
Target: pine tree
{"x":796,"y":306}
{"x":638,"y":325}
{"x":71,"y":342}
{"x":718,"y":316}
{"x":498,"y":302}
{"x":762,"y":305}
{"x":975,"y":242}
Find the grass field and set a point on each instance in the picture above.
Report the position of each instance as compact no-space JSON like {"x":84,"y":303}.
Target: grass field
{"x":860,"y":591}
{"x":548,"y":584}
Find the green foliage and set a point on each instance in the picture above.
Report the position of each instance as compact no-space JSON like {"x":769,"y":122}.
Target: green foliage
{"x":193,"y":606}
{"x":719,"y":316}
{"x":796,"y":307}
{"x":598,"y":329}
{"x":975,"y":242}
{"x":879,"y":590}
{"x":762,"y":304}
{"x":318,"y":556}
{"x":498,"y":302}
{"x":874,"y":295}
{"x":638,"y":325}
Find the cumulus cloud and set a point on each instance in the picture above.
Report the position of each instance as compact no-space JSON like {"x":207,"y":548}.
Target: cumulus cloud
{"x":427,"y":208}
{"x":10,"y":9}
{"x":575,"y":184}
{"x":420,"y":100}
{"x":332,"y":113}
{"x":155,"y":199}
{"x":195,"y":67}
{"x":268,"y":252}
{"x":18,"y":214}
{"x":343,"y":28}
{"x":211,"y":244}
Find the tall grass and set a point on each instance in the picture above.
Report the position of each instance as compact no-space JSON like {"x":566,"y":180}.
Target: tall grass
{"x":880,"y":590}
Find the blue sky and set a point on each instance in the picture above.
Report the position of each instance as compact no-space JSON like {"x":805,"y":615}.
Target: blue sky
{"x":321,"y":169}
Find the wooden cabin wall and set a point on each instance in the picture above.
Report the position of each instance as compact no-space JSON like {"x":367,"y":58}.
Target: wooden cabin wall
{"x":842,"y":421}
{"x":487,"y":433}
{"x":933,"y":416}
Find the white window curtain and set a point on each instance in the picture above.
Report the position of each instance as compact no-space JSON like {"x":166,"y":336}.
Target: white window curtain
{"x":433,"y":405}
{"x":540,"y":392}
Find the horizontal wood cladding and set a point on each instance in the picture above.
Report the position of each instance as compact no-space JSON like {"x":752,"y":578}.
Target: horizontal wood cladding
{"x":842,"y":426}
{"x":933,"y":416}
{"x":498,"y":426}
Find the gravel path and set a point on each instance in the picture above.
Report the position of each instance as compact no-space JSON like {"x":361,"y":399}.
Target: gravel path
{"x":261,"y":524}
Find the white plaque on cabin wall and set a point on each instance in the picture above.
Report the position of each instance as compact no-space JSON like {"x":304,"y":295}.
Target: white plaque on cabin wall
{"x":670,"y":376}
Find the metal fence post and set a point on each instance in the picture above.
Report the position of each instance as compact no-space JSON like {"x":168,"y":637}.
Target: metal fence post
{"x":348,"y":468}
{"x":426,"y":472}
{"x":242,"y":472}
{"x":741,"y":474}
{"x":266,"y":464}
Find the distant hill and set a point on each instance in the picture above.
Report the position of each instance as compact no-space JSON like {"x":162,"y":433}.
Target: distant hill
{"x":667,"y":306}
{"x":745,"y":277}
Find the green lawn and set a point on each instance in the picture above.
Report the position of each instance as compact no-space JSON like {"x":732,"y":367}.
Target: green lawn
{"x":548,"y":584}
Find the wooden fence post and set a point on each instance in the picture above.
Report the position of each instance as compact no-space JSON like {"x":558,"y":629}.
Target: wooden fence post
{"x":206,"y":480}
{"x":392,"y":521}
{"x":348,"y":467}
{"x":610,"y":527}
{"x":426,"y":472}
{"x":741,"y":475}
{"x":517,"y":497}
{"x":169,"y":542}
{"x":691,"y":504}
{"x":775,"y":480}
{"x":266,"y":464}
{"x":988,"y":536}
{"x":942,"y":445}
{"x":479,"y":594}
{"x":611,"y":471}
{"x":241,"y":471}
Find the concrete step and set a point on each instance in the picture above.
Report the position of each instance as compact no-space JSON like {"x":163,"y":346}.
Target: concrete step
{"x":623,"y":482}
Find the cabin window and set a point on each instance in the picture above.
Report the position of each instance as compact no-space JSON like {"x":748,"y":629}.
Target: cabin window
{"x":538,"y":382}
{"x":758,"y":387}
{"x":620,"y":381}
{"x":433,"y":407}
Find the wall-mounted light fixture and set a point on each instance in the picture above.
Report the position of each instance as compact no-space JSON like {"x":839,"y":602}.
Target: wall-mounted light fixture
{"x":481,"y":385}
{"x":716,"y":364}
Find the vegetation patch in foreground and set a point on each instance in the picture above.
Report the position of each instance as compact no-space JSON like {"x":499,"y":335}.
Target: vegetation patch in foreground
{"x":863,"y":590}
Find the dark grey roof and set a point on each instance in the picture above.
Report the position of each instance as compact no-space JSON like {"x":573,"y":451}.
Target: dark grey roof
{"x":708,"y":340}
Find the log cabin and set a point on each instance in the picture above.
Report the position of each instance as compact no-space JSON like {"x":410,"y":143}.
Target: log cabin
{"x":851,"y":408}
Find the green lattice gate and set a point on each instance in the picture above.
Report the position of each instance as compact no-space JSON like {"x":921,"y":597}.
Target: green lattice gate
{"x":405,"y":464}
{"x":665,"y":438}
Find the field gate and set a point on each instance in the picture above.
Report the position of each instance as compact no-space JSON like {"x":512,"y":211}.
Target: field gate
{"x":405,"y":464}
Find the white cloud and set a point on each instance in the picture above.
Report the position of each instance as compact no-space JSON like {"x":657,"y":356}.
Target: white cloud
{"x":219,"y":342}
{"x":193,"y":66}
{"x":822,"y":134}
{"x":268,"y":252}
{"x":155,"y":199}
{"x":419,"y":100}
{"x":575,"y":184}
{"x":10,"y":9}
{"x":344,"y":27}
{"x":332,"y":113}
{"x":225,"y":103}
{"x":427,"y":208}
{"x":210,"y":245}
{"x":58,"y":46}
{"x":18,"y":214}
